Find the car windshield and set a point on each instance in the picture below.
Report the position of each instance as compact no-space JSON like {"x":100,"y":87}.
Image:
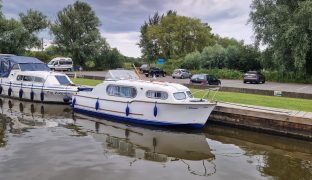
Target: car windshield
{"x":51,"y":62}
{"x":63,"y":80}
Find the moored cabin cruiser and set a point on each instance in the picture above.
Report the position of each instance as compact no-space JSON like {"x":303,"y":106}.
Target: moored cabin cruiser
{"x":145,"y":102}
{"x":28,"y":78}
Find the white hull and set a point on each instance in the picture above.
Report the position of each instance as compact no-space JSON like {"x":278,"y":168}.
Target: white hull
{"x":51,"y":94}
{"x":191,"y":114}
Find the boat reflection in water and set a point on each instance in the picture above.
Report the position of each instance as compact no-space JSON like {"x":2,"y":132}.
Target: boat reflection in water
{"x":23,"y":115}
{"x":135,"y":142}
{"x":158,"y":145}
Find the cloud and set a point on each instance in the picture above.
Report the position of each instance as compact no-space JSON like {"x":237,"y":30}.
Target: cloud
{"x":124,"y":42}
{"x":123,"y":18}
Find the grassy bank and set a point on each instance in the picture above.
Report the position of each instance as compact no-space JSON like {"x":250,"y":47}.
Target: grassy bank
{"x":86,"y":82}
{"x":260,"y":100}
{"x":241,"y":98}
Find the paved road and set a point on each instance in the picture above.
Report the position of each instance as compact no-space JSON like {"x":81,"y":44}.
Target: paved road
{"x":289,"y":87}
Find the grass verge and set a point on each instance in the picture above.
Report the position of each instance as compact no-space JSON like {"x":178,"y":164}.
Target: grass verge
{"x":86,"y":82}
{"x":241,"y":98}
{"x":261,"y":100}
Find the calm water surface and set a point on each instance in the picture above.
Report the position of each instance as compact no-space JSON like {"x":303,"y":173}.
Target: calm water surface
{"x":40,"y":142}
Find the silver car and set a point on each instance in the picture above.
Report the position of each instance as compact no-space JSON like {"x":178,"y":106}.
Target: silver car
{"x":181,"y":73}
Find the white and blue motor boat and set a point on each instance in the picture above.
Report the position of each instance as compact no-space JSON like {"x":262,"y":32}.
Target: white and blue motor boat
{"x":124,"y":97}
{"x":28,"y":78}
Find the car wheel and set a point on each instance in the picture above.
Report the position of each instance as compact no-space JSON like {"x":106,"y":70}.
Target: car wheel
{"x":258,"y":82}
{"x":263,"y":81}
{"x":245,"y":82}
{"x":52,"y":69}
{"x":173,"y":77}
{"x":182,"y":77}
{"x":163,"y":75}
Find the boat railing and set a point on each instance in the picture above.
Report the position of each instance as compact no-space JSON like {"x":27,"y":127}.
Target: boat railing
{"x":208,"y":92}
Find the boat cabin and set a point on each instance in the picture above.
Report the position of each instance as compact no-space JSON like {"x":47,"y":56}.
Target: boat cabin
{"x":9,"y":64}
{"x":42,"y":77}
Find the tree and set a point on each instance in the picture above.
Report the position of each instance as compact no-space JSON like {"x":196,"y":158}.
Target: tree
{"x":173,"y":36}
{"x":76,"y":31}
{"x":109,"y":59}
{"x":285,"y":27}
{"x":192,"y":61}
{"x":34,"y":21}
{"x":226,"y":42}
{"x":150,"y":49}
{"x":16,"y":37}
{"x":214,"y":57}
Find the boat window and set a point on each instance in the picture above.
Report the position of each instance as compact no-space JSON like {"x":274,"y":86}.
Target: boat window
{"x":38,"y":79}
{"x":179,"y":95}
{"x":15,"y":67}
{"x":19,"y":78}
{"x":4,"y":66}
{"x":157,"y":94}
{"x":189,"y":94}
{"x":121,"y":91}
{"x":27,"y":78}
{"x":63,"y":80}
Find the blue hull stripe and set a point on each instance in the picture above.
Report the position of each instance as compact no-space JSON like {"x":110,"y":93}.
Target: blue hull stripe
{"x":133,"y":120}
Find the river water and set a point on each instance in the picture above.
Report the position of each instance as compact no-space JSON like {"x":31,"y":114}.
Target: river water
{"x":39,"y":142}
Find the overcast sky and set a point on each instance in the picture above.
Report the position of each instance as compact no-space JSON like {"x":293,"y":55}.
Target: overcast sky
{"x":121,"y":19}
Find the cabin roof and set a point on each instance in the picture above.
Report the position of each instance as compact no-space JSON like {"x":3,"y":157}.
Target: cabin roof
{"x":22,"y":59}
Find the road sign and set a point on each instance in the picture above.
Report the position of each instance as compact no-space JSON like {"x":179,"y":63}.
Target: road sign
{"x":160,"y":61}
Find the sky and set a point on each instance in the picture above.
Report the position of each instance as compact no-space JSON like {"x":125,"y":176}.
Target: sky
{"x":121,"y":19}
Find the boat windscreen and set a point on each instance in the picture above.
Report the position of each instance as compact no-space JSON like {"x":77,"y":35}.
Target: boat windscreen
{"x":63,"y":80}
{"x":122,"y":74}
{"x":34,"y":67}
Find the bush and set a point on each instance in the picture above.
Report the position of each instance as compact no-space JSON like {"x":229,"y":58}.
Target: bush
{"x":290,"y":77}
{"x":41,"y":55}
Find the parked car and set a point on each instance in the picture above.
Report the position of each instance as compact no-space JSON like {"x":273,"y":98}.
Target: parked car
{"x":205,"y":79}
{"x":254,"y":76}
{"x":144,"y":68}
{"x":155,"y":71}
{"x":181,"y":73}
{"x":61,"y":63}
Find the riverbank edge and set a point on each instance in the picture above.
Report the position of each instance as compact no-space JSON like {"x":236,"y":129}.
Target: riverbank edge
{"x":296,"y":124}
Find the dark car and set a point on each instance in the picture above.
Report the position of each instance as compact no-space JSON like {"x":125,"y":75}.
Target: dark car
{"x":144,"y":68}
{"x":154,"y":71}
{"x":254,"y":77}
{"x":205,"y":79}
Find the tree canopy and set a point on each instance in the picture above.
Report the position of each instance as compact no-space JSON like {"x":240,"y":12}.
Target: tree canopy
{"x":285,"y":27}
{"x":17,"y":36}
{"x":77,"y":31}
{"x":173,"y":36}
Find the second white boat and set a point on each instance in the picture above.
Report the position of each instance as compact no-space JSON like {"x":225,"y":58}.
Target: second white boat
{"x":144,"y":102}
